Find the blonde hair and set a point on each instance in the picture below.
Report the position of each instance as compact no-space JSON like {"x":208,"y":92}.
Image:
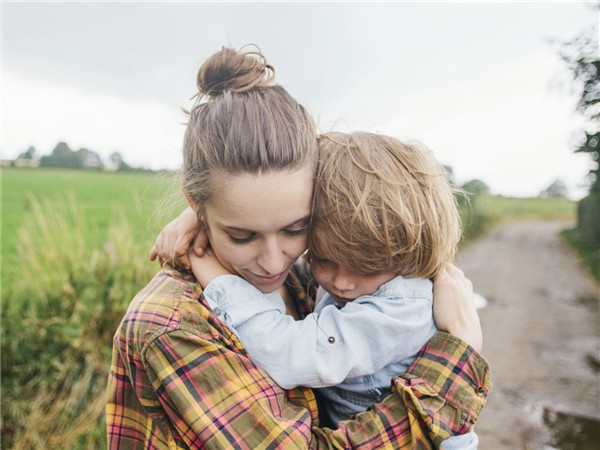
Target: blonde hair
{"x":382,"y":206}
{"x":242,"y":122}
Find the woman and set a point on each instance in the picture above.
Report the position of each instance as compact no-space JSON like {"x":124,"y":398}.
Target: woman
{"x":181,"y":379}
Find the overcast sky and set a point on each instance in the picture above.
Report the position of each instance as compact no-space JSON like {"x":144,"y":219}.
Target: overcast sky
{"x":477,"y":82}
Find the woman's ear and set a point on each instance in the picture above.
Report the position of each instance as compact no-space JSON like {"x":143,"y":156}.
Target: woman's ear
{"x":193,"y":204}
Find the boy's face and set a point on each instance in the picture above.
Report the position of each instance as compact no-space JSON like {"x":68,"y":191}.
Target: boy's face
{"x":344,"y":284}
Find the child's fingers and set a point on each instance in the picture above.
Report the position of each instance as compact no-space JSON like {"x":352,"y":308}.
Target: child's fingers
{"x":200,"y":242}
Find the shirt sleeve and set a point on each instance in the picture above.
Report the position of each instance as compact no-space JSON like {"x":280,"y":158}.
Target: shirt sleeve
{"x":217,"y":398}
{"x":327,"y":347}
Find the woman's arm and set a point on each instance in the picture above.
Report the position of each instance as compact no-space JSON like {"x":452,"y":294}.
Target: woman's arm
{"x":216,"y":398}
{"x":193,"y":385}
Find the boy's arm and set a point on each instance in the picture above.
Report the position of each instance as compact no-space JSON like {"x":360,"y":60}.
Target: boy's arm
{"x":177,"y":238}
{"x":325,"y":348}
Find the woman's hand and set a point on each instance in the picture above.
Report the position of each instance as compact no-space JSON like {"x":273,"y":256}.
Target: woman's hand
{"x":207,"y":267}
{"x":454,"y":308}
{"x":176,"y":239}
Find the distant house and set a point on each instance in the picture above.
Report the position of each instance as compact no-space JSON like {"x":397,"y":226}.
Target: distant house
{"x":27,"y":159}
{"x":91,"y":160}
{"x":26,"y":162}
{"x":6,"y":162}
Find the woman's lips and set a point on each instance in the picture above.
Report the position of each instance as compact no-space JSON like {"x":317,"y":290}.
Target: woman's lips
{"x":268,"y":280}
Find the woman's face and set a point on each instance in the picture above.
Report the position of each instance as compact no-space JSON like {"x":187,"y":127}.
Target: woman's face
{"x":258,"y":224}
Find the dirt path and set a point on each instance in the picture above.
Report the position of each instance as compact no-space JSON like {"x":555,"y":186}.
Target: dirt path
{"x":541,"y":336}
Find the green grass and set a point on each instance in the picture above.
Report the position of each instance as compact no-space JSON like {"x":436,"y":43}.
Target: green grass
{"x":497,"y":208}
{"x":74,"y":254}
{"x":104,"y":198}
{"x":589,"y":255}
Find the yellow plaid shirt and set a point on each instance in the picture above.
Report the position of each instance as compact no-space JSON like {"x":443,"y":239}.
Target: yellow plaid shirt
{"x":180,"y":379}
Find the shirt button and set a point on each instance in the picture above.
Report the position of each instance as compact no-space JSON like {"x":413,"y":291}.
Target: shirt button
{"x":331,"y":339}
{"x":480,"y":390}
{"x":218,"y":311}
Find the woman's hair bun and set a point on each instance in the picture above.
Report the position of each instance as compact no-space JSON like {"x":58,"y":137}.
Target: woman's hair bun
{"x":235,"y":71}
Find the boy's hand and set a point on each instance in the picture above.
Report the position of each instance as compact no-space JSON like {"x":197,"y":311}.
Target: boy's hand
{"x":454,"y":308}
{"x":207,"y":267}
{"x":176,"y":238}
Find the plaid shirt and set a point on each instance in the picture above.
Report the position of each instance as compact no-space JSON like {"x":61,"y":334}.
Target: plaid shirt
{"x":181,"y":379}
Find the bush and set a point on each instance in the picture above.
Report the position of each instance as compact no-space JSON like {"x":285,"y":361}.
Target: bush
{"x":59,"y":317}
{"x":474,"y":222}
{"x":586,"y":236}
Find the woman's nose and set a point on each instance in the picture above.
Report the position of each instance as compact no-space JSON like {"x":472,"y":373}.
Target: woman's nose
{"x":272,"y":258}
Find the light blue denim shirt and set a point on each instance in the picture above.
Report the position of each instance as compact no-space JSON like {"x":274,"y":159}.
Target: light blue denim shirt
{"x":409,"y":302}
{"x":350,"y":353}
{"x":332,"y":345}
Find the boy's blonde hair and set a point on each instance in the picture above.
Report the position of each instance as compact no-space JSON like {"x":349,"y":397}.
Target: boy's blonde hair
{"x":382,"y":206}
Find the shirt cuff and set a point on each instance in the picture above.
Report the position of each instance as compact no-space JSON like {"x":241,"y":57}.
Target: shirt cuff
{"x":455,"y":371}
{"x":221,"y":291}
{"x":236,"y":301}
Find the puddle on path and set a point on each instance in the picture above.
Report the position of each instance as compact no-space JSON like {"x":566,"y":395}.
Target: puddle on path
{"x":480,"y":301}
{"x":571,"y":432}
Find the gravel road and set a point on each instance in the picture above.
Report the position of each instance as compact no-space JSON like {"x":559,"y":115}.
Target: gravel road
{"x":541,"y":336}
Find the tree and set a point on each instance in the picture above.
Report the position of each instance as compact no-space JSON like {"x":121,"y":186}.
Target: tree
{"x":28,"y":154}
{"x":583,"y":60}
{"x":450,"y":175}
{"x":61,"y":156}
{"x":115,"y":159}
{"x":582,"y":56}
{"x":118,"y":163}
{"x":476,"y":187}
{"x":557,"y":189}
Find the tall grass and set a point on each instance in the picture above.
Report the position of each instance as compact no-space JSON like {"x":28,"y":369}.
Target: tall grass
{"x":102,"y":199}
{"x":59,"y":316}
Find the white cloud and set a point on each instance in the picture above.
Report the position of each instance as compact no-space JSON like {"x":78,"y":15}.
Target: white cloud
{"x":42,"y":113}
{"x":471,"y":80}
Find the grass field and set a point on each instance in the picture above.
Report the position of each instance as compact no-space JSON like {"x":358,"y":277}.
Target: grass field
{"x":103,"y":197}
{"x":508,"y":208}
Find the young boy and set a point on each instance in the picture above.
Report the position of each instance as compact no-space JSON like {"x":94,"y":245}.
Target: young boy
{"x":384,"y":223}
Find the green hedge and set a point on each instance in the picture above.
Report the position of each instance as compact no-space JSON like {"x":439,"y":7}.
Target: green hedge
{"x":586,"y":236}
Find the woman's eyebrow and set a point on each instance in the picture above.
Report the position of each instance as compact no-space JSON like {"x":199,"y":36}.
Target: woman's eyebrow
{"x":303,"y":221}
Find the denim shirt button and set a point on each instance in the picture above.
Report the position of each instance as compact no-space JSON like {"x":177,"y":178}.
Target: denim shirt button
{"x":218,"y":311}
{"x":331,"y":339}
